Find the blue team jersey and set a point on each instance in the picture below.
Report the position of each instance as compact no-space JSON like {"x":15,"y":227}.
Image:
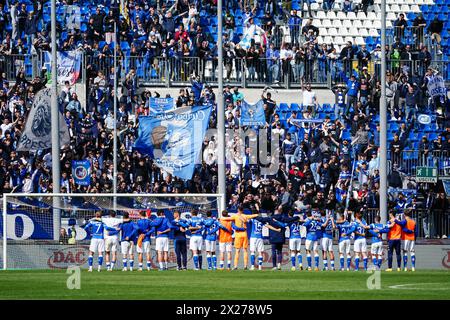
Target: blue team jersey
{"x":358,"y":227}
{"x":345,"y":229}
{"x":312,"y":228}
{"x":96,"y":228}
{"x":197,"y":222}
{"x":161,"y":224}
{"x":211,"y":227}
{"x":256,"y":230}
{"x":294,"y":230}
{"x":129,"y":230}
{"x":144,"y":226}
{"x":328,"y":230}
{"x":376,"y":236}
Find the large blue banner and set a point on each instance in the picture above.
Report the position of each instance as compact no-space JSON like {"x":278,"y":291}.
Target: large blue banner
{"x":81,"y":172}
{"x":253,"y":114}
{"x":22,"y":225}
{"x":174,"y":139}
{"x":159,"y":105}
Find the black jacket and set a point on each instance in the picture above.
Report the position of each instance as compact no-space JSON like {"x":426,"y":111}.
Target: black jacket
{"x":279,"y":237}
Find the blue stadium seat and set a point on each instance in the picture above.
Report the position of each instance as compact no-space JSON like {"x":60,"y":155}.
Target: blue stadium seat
{"x":432,"y":136}
{"x":124,"y":46}
{"x":295,"y":107}
{"x":63,"y":35}
{"x":393,"y":126}
{"x":328,"y":108}
{"x":412,"y":136}
{"x":390,"y":136}
{"x":284,"y":107}
{"x":411,"y":15}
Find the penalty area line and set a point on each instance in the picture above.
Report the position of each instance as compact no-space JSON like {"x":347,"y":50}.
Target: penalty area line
{"x":409,"y":286}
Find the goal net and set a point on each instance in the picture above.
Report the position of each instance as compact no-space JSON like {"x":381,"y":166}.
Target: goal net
{"x":45,"y":231}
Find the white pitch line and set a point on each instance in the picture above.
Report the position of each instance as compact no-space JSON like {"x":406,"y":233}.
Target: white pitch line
{"x":407,"y":286}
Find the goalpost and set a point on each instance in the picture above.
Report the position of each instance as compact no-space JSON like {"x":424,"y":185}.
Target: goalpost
{"x":30,"y":225}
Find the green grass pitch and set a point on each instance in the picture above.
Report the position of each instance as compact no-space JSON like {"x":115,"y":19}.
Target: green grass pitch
{"x":266,"y":284}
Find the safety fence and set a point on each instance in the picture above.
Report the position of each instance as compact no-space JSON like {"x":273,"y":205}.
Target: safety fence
{"x":246,"y":72}
{"x":12,"y":64}
{"x":406,"y":161}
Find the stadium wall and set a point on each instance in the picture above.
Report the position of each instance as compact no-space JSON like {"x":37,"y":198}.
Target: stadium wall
{"x":45,"y":255}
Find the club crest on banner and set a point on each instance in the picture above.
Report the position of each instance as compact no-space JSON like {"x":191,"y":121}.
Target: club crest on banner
{"x":37,"y":133}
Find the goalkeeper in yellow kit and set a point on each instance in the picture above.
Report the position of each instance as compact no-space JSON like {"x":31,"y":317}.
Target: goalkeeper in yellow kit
{"x":239,"y":225}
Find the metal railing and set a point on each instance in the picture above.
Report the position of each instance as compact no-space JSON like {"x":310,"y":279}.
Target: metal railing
{"x":10,"y":65}
{"x":431,"y":223}
{"x":408,"y":160}
{"x":176,"y":71}
{"x":410,"y":67}
{"x":413,"y":36}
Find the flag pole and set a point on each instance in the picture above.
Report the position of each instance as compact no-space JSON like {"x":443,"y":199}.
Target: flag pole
{"x":56,"y":169}
{"x":220,"y":112}
{"x":383,"y":120}
{"x":115,"y":118}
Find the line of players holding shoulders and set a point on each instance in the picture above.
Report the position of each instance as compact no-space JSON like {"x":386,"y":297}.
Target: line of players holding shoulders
{"x":231,"y":231}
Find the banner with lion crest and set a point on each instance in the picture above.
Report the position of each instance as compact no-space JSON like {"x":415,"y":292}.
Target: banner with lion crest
{"x":38,"y":128}
{"x":174,"y":138}
{"x":253,"y":114}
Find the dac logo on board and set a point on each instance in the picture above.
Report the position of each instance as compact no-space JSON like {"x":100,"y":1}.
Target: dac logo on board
{"x":446,"y":259}
{"x":61,"y":259}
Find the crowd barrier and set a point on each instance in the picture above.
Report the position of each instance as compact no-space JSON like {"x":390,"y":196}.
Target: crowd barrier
{"x":242,"y":72}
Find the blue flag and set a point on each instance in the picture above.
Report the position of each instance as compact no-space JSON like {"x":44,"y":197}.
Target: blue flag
{"x":253,"y":114}
{"x":159,"y":105}
{"x":300,"y":121}
{"x":81,"y":172}
{"x":174,"y":139}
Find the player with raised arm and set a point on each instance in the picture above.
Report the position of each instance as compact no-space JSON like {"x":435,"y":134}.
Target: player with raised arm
{"x":256,"y":241}
{"x":240,"y":235}
{"x":409,"y":232}
{"x":143,"y":242}
{"x":312,"y":225}
{"x":96,"y":229}
{"x":211,"y":228}
{"x":196,"y":226}
{"x":129,"y":231}
{"x":162,"y":229}
{"x":328,"y":226}
{"x":111,"y":239}
{"x":360,"y":244}
{"x":345,"y":229}
{"x":295,"y":241}
{"x":376,"y":248}
{"x":225,"y":240}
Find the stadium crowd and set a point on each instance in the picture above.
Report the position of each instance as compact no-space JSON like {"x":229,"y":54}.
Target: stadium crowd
{"x":318,"y":163}
{"x":150,"y":32}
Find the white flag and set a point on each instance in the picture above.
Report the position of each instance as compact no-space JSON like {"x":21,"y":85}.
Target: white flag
{"x":37,"y":133}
